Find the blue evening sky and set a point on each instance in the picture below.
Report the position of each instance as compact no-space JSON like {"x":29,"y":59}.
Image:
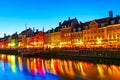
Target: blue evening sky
{"x":14,"y":14}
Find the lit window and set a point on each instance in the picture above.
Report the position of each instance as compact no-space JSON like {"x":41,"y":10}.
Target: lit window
{"x":69,"y":34}
{"x":65,"y":35}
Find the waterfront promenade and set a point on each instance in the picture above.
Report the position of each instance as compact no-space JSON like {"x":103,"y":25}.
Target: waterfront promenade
{"x":55,"y":53}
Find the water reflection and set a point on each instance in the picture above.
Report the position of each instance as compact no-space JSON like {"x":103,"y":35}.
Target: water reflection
{"x":17,"y":68}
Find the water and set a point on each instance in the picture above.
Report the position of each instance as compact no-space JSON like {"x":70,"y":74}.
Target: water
{"x":17,"y":68}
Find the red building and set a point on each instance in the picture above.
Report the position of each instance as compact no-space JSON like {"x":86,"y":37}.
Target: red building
{"x":37,"y":41}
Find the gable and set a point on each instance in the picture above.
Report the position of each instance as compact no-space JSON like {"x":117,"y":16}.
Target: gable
{"x":93,"y":24}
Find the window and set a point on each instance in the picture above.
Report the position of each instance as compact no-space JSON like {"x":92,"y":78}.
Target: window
{"x":74,"y":30}
{"x":88,"y":37}
{"x":112,"y":22}
{"x":119,"y":21}
{"x":94,"y":27}
{"x":102,"y":24}
{"x":84,"y":37}
{"x":86,"y":27}
{"x":91,"y":37}
{"x":68,"y":34}
{"x":65,"y":35}
{"x":118,"y":34}
{"x":79,"y":29}
{"x":103,"y":37}
{"x":84,"y":32}
{"x":95,"y":37}
{"x":99,"y":31}
{"x":91,"y":32}
{"x":88,"y":32}
{"x":114,"y":35}
{"x":102,"y":30}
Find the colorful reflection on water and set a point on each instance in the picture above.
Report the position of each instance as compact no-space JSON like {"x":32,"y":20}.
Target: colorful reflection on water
{"x":17,"y":68}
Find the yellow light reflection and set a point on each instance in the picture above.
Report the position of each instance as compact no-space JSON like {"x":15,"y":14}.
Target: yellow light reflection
{"x":100,"y":70}
{"x":52,"y":66}
{"x":20,"y":63}
{"x":82,"y":70}
{"x":28,"y":64}
{"x":61,"y":68}
{"x":13,"y":63}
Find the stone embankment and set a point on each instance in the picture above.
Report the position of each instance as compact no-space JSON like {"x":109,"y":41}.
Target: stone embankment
{"x":112,"y":54}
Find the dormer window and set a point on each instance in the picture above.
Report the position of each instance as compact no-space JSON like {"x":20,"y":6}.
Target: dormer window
{"x":79,"y":29}
{"x":102,"y":24}
{"x":119,"y":21}
{"x":86,"y":27}
{"x":74,"y":30}
{"x":48,"y":31}
{"x":113,"y":22}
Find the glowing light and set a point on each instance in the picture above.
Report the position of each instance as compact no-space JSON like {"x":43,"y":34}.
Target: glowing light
{"x":19,"y":44}
{"x":34,"y":43}
{"x":99,"y":40}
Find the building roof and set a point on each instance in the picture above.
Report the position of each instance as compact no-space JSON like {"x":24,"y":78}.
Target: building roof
{"x":68,"y":22}
{"x":25,"y":31}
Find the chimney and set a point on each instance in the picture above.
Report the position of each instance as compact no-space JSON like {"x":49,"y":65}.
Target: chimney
{"x":4,"y":34}
{"x":117,"y":15}
{"x":69,"y":19}
{"x":59,"y":24}
{"x":37,"y":30}
{"x":33,"y":29}
{"x":110,"y":14}
{"x":80,"y":22}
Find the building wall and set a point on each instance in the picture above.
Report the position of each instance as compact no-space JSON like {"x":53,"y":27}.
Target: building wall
{"x":95,"y":36}
{"x":113,"y":33}
{"x":77,"y":39}
{"x":66,"y":36}
{"x":47,"y":40}
{"x":55,"y":39}
{"x":22,"y":41}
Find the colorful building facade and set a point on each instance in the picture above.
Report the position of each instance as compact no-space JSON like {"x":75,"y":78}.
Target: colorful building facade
{"x":100,"y":33}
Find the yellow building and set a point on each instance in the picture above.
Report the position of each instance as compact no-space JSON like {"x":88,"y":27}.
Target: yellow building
{"x":22,"y":41}
{"x":77,"y":37}
{"x":65,"y":32}
{"x":66,"y":36}
{"x":23,"y":38}
{"x":113,"y":32}
{"x":55,"y":39}
{"x":94,"y":36}
{"x":47,"y":40}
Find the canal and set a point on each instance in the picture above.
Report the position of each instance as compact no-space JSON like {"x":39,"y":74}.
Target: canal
{"x":17,"y":68}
